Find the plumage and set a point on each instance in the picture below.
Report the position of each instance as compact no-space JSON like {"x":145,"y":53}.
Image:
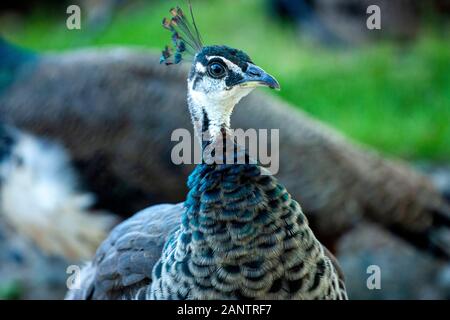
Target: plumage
{"x":40,"y":197}
{"x":115,"y":274}
{"x":117,"y":271}
{"x":263,"y":250}
{"x":123,"y":265}
{"x":251,"y":255}
{"x":341,"y":183}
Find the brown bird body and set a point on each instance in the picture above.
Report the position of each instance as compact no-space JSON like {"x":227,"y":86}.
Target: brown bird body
{"x":115,"y":110}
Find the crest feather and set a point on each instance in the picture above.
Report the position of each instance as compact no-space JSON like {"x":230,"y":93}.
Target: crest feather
{"x":185,"y":36}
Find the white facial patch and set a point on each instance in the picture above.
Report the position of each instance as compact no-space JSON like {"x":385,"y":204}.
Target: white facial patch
{"x":213,"y":96}
{"x":200,"y":68}
{"x":215,"y":88}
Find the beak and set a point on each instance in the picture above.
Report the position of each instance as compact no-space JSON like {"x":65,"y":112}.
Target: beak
{"x":257,"y":77}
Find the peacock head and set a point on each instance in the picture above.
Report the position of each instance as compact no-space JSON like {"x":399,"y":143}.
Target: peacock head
{"x":219,"y":77}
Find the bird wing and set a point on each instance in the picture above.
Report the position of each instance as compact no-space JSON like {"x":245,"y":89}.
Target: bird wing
{"x":122,"y":267}
{"x":339,"y":272}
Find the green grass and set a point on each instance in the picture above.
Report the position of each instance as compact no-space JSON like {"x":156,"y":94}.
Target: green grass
{"x":10,"y":290}
{"x":396,"y":99}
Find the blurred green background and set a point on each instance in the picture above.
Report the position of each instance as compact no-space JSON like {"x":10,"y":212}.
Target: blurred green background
{"x":395,"y":97}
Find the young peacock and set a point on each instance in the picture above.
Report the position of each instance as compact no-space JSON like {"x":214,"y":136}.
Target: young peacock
{"x":239,"y":233}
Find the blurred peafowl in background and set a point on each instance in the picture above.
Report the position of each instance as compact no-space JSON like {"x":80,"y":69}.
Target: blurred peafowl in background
{"x":343,"y":21}
{"x":115,"y":109}
{"x":41,"y":198}
{"x":40,"y":195}
{"x":47,"y":221}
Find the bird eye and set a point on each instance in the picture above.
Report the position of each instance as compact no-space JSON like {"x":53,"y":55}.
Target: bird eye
{"x":216,"y":70}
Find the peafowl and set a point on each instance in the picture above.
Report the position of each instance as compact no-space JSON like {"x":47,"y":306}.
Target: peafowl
{"x":41,"y":199}
{"x":239,"y":234}
{"x":114,"y":108}
{"x":344,"y":21}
